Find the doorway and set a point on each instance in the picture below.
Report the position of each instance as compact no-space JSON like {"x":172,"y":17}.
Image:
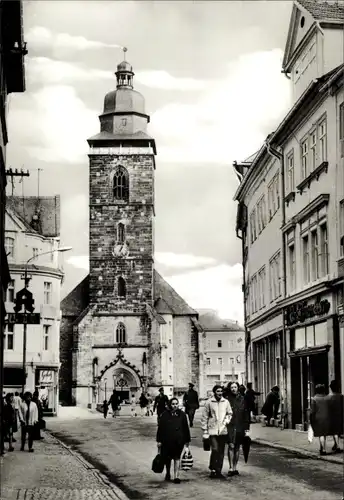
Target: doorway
{"x":318,"y":371}
{"x":123,"y":396}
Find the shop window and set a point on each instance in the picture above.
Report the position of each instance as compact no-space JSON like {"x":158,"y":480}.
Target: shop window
{"x":320,"y":333}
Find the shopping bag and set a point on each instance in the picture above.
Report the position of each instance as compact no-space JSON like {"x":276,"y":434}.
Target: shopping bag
{"x":158,"y":464}
{"x":187,"y":460}
{"x":310,"y":433}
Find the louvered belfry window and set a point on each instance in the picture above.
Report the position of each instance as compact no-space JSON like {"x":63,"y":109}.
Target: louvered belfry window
{"x":122,"y":289}
{"x":121,"y":184}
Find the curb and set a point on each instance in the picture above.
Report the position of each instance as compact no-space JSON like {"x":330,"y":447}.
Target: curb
{"x":298,"y":451}
{"x":87,"y":465}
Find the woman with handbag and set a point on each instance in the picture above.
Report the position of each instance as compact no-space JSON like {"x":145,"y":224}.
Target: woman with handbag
{"x":172,"y":435}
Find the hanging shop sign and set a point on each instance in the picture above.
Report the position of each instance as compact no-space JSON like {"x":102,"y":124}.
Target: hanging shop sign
{"x":46,"y":377}
{"x":302,"y":311}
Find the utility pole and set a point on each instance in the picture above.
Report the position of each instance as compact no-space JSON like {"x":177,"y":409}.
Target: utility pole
{"x":16,"y":173}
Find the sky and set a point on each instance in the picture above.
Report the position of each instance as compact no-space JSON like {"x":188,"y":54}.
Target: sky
{"x":211,"y":76}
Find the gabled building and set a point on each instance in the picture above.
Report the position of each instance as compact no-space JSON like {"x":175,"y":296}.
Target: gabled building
{"x":291,"y":222}
{"x":125,"y":327}
{"x":224,"y":350}
{"x":32,"y":241}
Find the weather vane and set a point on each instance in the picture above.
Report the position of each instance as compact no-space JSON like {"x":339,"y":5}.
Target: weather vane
{"x":124,"y":51}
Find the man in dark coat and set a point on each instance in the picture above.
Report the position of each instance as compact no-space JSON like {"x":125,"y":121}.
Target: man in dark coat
{"x":191,"y":403}
{"x":160,"y":403}
{"x":271,"y":405}
{"x":250,"y":398}
{"x":114,"y":402}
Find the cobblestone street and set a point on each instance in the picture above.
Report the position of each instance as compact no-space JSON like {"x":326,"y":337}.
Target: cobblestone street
{"x":123,"y":449}
{"x":52,"y":472}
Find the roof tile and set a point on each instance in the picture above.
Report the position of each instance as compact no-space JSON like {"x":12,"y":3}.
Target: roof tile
{"x":48,"y":207}
{"x":322,"y":10}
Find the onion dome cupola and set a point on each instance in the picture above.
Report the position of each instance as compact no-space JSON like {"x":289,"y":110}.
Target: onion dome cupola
{"x":124,"y":120}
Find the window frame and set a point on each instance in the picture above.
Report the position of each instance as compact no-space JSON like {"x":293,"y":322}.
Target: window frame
{"x":9,"y":334}
{"x":9,"y":249}
{"x":47,"y":291}
{"x":304,"y":146}
{"x":121,"y":333}
{"x":120,"y":184}
{"x":121,"y":287}
{"x":291,"y":172}
{"x":11,"y":290}
{"x":46,"y":337}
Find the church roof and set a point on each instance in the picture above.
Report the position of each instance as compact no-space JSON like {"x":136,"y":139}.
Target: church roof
{"x":77,"y":300}
{"x":48,"y":208}
{"x":211,"y":321}
{"x":108,"y":136}
{"x":166,"y":300}
{"x":322,"y":10}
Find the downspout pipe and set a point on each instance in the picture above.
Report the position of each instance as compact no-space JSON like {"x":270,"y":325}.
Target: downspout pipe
{"x":242,"y":238}
{"x":280,"y":156}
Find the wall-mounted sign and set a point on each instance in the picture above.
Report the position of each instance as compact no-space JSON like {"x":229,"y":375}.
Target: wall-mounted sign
{"x":300,"y":312}
{"x":22,"y":318}
{"x":46,"y":377}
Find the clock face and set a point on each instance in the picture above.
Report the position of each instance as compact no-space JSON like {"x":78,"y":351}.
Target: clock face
{"x":120,"y":250}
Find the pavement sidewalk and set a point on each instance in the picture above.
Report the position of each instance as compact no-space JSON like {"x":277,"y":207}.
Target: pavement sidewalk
{"x":294,"y":441}
{"x":52,"y":472}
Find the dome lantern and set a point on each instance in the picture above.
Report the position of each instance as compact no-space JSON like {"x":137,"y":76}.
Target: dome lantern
{"x":124,"y":73}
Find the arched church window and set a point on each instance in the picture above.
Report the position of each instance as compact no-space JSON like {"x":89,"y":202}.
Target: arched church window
{"x":120,"y":233}
{"x":121,"y":335}
{"x":122,"y":289}
{"x":121,"y":184}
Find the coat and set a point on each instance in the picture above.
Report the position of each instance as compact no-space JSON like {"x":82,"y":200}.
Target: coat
{"x":240,"y":421}
{"x":216,"y":416}
{"x":160,"y":403}
{"x":271,"y":405}
{"x":173,"y":429}
{"x":190,"y":400}
{"x":335,"y":403}
{"x":33,"y":413}
{"x":319,"y":415}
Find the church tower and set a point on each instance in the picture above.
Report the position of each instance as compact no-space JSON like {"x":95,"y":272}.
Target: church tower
{"x":121,"y":176}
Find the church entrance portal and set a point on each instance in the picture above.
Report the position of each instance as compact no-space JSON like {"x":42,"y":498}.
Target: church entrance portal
{"x":121,"y":379}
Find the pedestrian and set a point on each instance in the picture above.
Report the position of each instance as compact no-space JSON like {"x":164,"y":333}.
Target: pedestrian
{"x":191,"y":403}
{"x":9,"y":419}
{"x":335,"y":402}
{"x":105,"y":408}
{"x":28,"y":415}
{"x":114,"y":402}
{"x":149,"y":405}
{"x":172,"y":435}
{"x":38,"y":426}
{"x":161,"y":403}
{"x":239,"y":424}
{"x":133,"y":406}
{"x":216,"y":415}
{"x":143,"y":401}
{"x":319,"y":416}
{"x":271,"y":406}
{"x":250,"y":397}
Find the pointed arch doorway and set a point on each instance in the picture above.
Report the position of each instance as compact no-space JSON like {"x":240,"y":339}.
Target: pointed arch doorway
{"x":122,"y":378}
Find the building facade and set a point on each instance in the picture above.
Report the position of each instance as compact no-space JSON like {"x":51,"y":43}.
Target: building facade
{"x":290,"y":200}
{"x":32,"y":241}
{"x":131,"y":331}
{"x":12,"y":79}
{"x":224,"y":350}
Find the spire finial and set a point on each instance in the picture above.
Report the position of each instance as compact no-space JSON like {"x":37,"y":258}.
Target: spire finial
{"x":124,"y":52}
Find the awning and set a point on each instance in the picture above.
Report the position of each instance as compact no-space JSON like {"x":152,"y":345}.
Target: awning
{"x":309,"y":351}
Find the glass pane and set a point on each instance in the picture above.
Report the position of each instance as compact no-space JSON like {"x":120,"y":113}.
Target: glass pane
{"x":321,"y":333}
{"x":310,"y":336}
{"x":300,"y":338}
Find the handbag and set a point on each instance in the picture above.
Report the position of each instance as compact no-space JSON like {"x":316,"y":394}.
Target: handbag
{"x":310,"y":433}
{"x":158,"y":464}
{"x":187,"y":460}
{"x":206,"y":444}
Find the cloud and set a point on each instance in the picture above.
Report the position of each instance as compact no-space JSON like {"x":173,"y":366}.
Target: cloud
{"x":40,"y":37}
{"x":163,"y":80}
{"x":182,"y":260}
{"x":231,"y":119}
{"x":46,"y":71}
{"x":59,"y":122}
{"x":217,"y":288}
{"x":79,"y":261}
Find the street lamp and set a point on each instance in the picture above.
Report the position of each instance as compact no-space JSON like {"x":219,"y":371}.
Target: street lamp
{"x":26,"y":282}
